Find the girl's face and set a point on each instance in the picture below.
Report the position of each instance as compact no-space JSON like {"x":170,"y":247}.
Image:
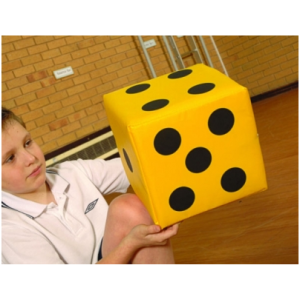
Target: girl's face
{"x":23,"y":162}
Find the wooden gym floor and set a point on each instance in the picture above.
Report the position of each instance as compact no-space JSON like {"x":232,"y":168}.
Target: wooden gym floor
{"x":262,"y":228}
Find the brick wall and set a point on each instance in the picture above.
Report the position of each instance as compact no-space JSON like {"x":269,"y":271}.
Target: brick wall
{"x":260,"y":63}
{"x":61,"y":111}
{"x":58,"y":112}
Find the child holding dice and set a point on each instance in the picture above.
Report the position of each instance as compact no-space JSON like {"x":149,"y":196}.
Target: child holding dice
{"x":58,"y":215}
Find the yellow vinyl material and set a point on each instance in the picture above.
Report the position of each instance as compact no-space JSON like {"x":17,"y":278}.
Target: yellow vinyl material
{"x":188,"y":142}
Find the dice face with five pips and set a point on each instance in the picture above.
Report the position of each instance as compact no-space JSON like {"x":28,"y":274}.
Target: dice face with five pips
{"x":188,"y":142}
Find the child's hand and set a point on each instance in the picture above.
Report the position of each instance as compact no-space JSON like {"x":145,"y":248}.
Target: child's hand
{"x":150,"y":235}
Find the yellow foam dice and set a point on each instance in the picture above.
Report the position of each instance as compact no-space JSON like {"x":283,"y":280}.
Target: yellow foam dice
{"x":188,"y":142}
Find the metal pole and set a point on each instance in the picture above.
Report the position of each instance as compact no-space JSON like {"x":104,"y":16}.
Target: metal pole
{"x":147,"y":56}
{"x":178,"y":56}
{"x":194,"y":49}
{"x":205,"y":51}
{"x":170,"y":53}
{"x":219,"y":56}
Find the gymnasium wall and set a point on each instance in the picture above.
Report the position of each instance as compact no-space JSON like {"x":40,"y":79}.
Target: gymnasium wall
{"x":58,"y":112}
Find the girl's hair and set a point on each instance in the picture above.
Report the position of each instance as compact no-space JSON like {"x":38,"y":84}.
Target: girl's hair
{"x":8,"y":116}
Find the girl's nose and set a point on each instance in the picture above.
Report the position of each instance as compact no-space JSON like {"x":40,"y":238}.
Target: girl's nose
{"x":29,"y":158}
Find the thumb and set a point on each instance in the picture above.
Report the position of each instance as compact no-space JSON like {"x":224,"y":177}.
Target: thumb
{"x":153,"y":229}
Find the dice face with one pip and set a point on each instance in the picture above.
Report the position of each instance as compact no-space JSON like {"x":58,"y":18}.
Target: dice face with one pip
{"x":188,"y":142}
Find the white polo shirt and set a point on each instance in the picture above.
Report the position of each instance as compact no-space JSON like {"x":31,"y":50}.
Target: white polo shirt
{"x":71,"y":231}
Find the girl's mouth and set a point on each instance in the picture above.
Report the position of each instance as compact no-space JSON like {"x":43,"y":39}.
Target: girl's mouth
{"x":35,"y":172}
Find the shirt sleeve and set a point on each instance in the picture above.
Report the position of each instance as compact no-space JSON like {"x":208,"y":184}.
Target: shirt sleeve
{"x":107,"y":175}
{"x":22,"y":246}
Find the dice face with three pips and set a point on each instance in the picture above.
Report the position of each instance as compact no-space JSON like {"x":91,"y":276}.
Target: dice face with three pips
{"x":188,"y":142}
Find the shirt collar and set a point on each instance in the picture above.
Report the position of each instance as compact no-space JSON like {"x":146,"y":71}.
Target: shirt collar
{"x":57,"y":184}
{"x":32,"y":209}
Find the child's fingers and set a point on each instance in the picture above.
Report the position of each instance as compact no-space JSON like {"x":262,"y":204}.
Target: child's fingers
{"x":154,"y":234}
{"x":173,"y":227}
{"x":164,"y":235}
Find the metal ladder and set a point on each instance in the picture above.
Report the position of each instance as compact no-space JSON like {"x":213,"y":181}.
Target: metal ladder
{"x":177,"y":61}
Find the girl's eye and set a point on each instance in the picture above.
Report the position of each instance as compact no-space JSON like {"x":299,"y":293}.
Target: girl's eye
{"x":28,"y":143}
{"x":10,"y":159}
